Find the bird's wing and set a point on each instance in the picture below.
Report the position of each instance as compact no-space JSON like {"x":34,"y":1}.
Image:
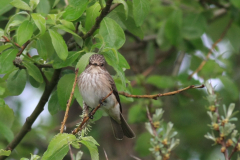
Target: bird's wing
{"x":114,"y":88}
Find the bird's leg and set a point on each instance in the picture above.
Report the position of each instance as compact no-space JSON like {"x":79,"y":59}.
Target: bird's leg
{"x":90,"y":114}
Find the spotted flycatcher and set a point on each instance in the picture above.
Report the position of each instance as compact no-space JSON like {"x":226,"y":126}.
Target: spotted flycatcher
{"x":94,"y":84}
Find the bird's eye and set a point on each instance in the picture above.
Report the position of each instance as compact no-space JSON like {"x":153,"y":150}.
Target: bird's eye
{"x":89,"y":63}
{"x":102,"y":64}
{"x":95,"y":64}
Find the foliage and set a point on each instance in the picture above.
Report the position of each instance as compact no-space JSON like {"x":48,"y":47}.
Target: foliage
{"x":151,"y":47}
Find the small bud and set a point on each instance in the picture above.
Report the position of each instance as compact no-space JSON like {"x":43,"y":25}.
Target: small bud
{"x":238,"y":147}
{"x":165,"y":142}
{"x":166,"y":156}
{"x":223,"y":149}
{"x":222,"y":136}
{"x":157,"y":148}
{"x":215,"y":126}
{"x":229,"y":143}
{"x":156,"y":124}
{"x":224,"y":122}
{"x":212,"y":108}
{"x":18,"y":60}
{"x":218,"y":140}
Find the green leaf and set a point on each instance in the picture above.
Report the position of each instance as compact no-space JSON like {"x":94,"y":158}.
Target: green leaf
{"x":92,"y":13}
{"x":33,"y":71}
{"x":2,"y":90}
{"x":112,"y":33}
{"x":53,"y":105}
{"x":230,"y":87}
{"x":24,"y":32}
{"x":5,"y":6}
{"x":83,"y":62}
{"x":34,"y":157}
{"x":78,"y":97}
{"x":6,"y":46}
{"x":40,"y":22}
{"x":6,"y":60}
{"x":5,"y":152}
{"x":21,"y":5}
{"x":16,"y":82}
{"x":124,"y":5}
{"x":33,"y":3}
{"x":6,"y":115}
{"x":6,"y":132}
{"x":127,"y":24}
{"x":62,"y":27}
{"x":64,"y":89}
{"x":41,"y":48}
{"x":173,"y":27}
{"x":47,"y":45}
{"x":33,"y":82}
{"x":55,"y":3}
{"x":75,"y":9}
{"x":68,"y":24}
{"x":92,"y":148}
{"x":143,"y":150}
{"x":137,"y":114}
{"x":141,"y":9}
{"x":233,"y":36}
{"x":236,"y":3}
{"x":161,"y":81}
{"x":59,"y":44}
{"x":72,"y":56}
{"x":58,"y":147}
{"x":194,"y":25}
{"x":43,"y":7}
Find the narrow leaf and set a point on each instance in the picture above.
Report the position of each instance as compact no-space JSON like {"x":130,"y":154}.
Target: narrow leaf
{"x":72,"y":56}
{"x":58,"y":147}
{"x":59,"y":44}
{"x":34,"y":3}
{"x":92,"y":14}
{"x":6,"y":60}
{"x":53,"y":105}
{"x":64,"y":89}
{"x":40,"y":22}
{"x":16,"y":82}
{"x":75,"y":9}
{"x":33,"y":71}
{"x":41,"y":48}
{"x":112,"y":33}
{"x":6,"y":132}
{"x":24,"y":32}
{"x":141,"y":9}
{"x":5,"y":152}
{"x":21,"y":5}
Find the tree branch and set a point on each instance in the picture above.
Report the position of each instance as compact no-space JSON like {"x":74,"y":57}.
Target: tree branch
{"x":39,"y":108}
{"x":104,"y":12}
{"x":86,"y":118}
{"x":211,"y":50}
{"x":69,"y":102}
{"x":155,"y":96}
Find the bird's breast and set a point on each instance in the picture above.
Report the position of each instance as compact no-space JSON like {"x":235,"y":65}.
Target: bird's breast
{"x":93,"y":88}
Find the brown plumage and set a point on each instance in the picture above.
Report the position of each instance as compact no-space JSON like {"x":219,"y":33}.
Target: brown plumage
{"x":94,"y":84}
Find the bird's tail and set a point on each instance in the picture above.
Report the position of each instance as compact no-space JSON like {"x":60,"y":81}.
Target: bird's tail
{"x":127,"y":131}
{"x":121,"y":129}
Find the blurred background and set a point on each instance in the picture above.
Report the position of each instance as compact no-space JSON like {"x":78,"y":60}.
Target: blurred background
{"x":177,"y":37}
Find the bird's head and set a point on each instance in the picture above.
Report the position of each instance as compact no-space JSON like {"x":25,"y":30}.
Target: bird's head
{"x":97,"y":60}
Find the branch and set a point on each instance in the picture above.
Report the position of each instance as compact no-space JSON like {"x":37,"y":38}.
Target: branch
{"x":235,"y":148}
{"x":8,"y":40}
{"x":22,"y":48}
{"x":151,"y":122}
{"x":38,"y":65}
{"x":211,"y":50}
{"x":39,"y":108}
{"x":155,"y":96}
{"x":104,"y":12}
{"x":86,"y":118}
{"x":69,"y":102}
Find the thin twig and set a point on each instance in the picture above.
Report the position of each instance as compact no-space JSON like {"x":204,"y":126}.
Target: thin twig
{"x":134,"y":157}
{"x":70,"y":152}
{"x":69,"y":102}
{"x":235,"y":148}
{"x":105,"y":154}
{"x":151,"y":122}
{"x":22,"y":48}
{"x":155,"y":96}
{"x":86,"y":118}
{"x":39,"y":108}
{"x":8,"y":40}
{"x":212,"y":48}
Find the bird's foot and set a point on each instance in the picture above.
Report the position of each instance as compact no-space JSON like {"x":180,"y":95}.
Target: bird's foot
{"x":90,"y":114}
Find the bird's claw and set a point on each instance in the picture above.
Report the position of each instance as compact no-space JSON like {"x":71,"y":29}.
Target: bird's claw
{"x":90,"y":114}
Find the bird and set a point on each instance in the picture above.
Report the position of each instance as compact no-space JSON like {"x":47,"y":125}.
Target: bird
{"x":94,"y":84}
